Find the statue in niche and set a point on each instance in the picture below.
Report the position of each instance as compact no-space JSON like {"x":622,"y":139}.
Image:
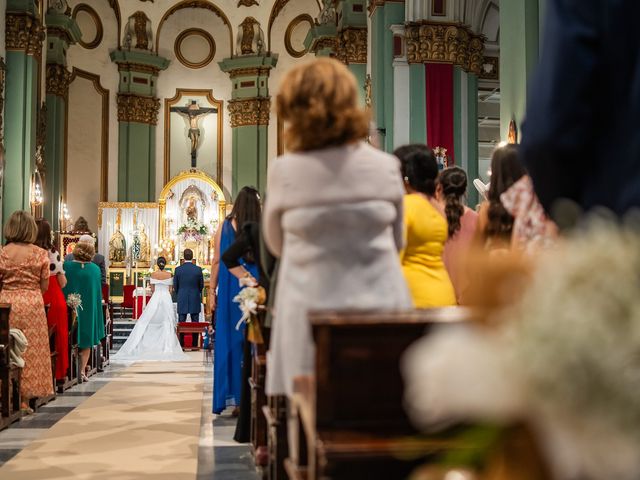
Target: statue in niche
{"x":193,"y":204}
{"x":145,"y":247}
{"x":193,"y":113}
{"x":327,"y":15}
{"x":250,"y":39}
{"x":138,"y":29}
{"x":192,"y":210}
{"x":117,"y":248}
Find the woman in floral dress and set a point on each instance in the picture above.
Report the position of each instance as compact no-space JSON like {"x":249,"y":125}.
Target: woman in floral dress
{"x":24,"y":273}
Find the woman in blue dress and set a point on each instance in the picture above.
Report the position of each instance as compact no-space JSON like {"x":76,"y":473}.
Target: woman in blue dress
{"x":229,"y":342}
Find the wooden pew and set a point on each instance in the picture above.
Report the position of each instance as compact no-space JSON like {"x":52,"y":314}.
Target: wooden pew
{"x":347,"y":421}
{"x":107,"y":342}
{"x":72,"y":376}
{"x":259,"y":428}
{"x":9,"y":376}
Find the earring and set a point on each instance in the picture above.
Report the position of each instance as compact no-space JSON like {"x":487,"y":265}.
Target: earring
{"x":406,"y":179}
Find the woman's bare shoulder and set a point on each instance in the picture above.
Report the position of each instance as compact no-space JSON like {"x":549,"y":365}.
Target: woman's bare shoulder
{"x":161,"y":275}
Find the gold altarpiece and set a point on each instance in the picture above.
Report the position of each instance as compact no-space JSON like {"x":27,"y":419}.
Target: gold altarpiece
{"x":189,"y":210}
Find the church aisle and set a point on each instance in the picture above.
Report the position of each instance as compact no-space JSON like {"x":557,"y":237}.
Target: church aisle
{"x":145,"y":423}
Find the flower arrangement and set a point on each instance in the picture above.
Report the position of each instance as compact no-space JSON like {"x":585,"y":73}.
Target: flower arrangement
{"x":249,"y":299}
{"x":193,"y":230}
{"x":564,"y":357}
{"x":74,"y":301}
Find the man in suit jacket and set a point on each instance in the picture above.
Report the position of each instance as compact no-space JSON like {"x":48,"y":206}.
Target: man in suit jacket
{"x":97,"y":258}
{"x":580,"y":139}
{"x":188,"y":283}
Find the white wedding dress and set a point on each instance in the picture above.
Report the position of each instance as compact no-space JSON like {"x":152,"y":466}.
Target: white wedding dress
{"x":154,"y":336}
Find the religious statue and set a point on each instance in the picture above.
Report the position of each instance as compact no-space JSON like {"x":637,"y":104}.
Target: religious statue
{"x":327,"y":15}
{"x":368,"y":97}
{"x":192,"y":210}
{"x":193,"y":113}
{"x":250,"y":39}
{"x":117,"y":249}
{"x":141,"y":248}
{"x":138,"y":32}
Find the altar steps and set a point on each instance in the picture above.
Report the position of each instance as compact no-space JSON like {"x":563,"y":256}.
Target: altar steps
{"x":121,"y":330}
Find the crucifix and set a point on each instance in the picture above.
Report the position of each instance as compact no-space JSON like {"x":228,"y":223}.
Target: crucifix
{"x":193,"y":112}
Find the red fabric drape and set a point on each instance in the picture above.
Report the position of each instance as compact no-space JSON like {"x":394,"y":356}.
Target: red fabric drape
{"x":439,"y":83}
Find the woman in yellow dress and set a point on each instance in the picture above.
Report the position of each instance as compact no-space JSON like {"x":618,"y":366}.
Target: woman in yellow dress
{"x":426,"y":229}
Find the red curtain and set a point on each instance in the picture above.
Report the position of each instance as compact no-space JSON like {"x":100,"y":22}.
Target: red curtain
{"x":439,"y":83}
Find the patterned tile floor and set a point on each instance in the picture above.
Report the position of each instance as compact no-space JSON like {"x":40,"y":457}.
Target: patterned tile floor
{"x":219,"y":457}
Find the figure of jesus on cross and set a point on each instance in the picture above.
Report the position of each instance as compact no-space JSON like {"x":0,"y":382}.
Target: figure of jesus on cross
{"x":193,"y":112}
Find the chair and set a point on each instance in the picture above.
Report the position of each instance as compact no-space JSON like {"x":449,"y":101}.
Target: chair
{"x":127,"y":298}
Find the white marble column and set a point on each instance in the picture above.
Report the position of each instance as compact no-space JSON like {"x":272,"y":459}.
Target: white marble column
{"x":401,"y":89}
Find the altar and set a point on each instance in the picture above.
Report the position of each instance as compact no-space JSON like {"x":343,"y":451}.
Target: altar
{"x":132,"y":235}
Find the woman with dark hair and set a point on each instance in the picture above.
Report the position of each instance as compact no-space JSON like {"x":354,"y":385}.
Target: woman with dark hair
{"x":462,"y":222}
{"x":57,"y":314}
{"x":154,"y":336}
{"x":333,"y":215}
{"x":425,"y":229}
{"x":495,"y":223}
{"x":229,"y":341}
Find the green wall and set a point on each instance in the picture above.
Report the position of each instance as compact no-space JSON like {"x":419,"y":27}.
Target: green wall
{"x":136,"y":162}
{"x":20,"y":130}
{"x":519,"y":49}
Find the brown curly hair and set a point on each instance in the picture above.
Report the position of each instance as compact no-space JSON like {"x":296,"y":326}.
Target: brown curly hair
{"x":319,"y":101}
{"x":84,"y":252}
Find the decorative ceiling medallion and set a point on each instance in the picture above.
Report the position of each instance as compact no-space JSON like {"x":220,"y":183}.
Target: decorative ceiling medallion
{"x":86,"y":10}
{"x":183,"y":56}
{"x":291,"y":50}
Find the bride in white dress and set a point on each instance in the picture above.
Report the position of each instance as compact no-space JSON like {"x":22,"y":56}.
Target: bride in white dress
{"x":154,"y":336}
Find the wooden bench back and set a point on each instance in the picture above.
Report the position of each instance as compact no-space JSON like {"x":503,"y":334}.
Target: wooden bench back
{"x":358,"y":381}
{"x":5,"y":339}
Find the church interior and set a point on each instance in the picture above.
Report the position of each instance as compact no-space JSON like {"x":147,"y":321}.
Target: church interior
{"x":153,"y":126}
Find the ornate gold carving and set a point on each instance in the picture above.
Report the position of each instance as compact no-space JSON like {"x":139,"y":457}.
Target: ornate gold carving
{"x":177,"y":48}
{"x":324,"y":43}
{"x":290,"y":28}
{"x":102,"y":205}
{"x":24,"y":33}
{"x":58,"y":79}
{"x":444,"y":42}
{"x":250,"y":38}
{"x":247,"y":3}
{"x":83,"y":7}
{"x":135,"y":108}
{"x":352,"y":45}
{"x":368,"y":95}
{"x":249,"y":111}
{"x":41,"y":140}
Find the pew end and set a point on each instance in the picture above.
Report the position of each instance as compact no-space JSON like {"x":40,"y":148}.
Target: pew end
{"x":347,"y":420}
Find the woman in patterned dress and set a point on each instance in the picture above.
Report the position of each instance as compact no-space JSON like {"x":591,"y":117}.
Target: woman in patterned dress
{"x":24,"y":273}
{"x":57,"y":314}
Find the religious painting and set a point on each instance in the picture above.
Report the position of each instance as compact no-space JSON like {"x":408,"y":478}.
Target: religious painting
{"x":193,"y":133}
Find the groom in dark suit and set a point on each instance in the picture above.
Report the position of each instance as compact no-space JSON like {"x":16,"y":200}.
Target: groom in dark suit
{"x":188,"y":283}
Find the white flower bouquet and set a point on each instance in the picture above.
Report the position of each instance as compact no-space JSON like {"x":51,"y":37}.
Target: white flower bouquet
{"x":249,"y":299}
